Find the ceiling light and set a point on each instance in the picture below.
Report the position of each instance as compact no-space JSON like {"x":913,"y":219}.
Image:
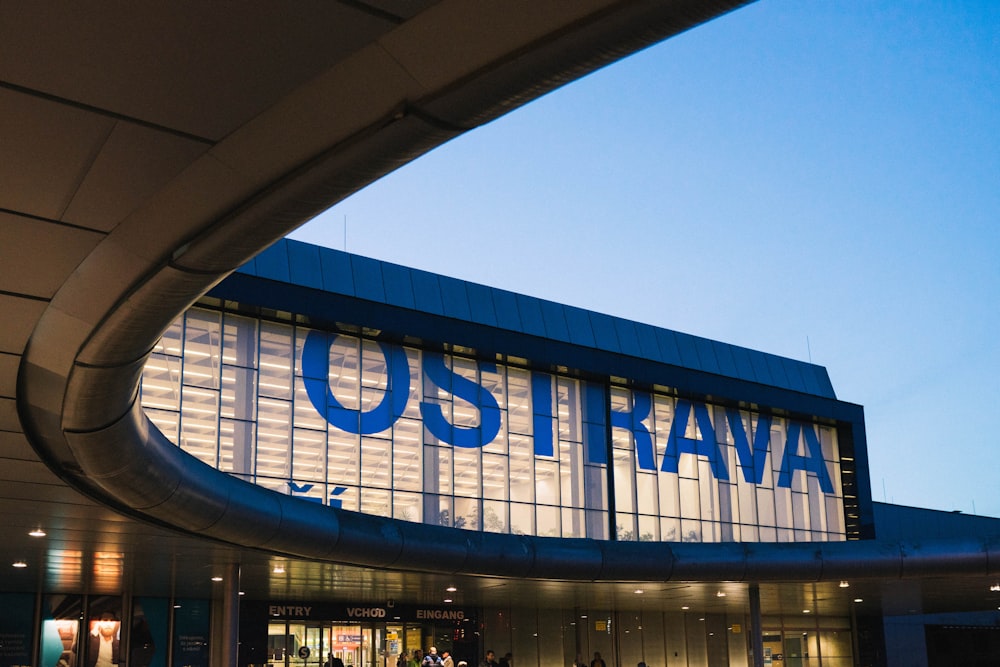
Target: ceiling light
{"x":37,"y":532}
{"x":720,"y":594}
{"x":451,"y":589}
{"x":805,"y":611}
{"x":216,"y":579}
{"x":685,"y":608}
{"x":278,"y":569}
{"x":639,"y":591}
{"x":844,"y":584}
{"x":19,"y":564}
{"x":858,"y":600}
{"x":995,"y":588}
{"x":448,"y":600}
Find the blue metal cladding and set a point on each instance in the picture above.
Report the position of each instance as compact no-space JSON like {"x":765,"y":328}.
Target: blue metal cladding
{"x":706,"y":355}
{"x":604,"y":332}
{"x":481,"y":309}
{"x":273,"y":263}
{"x":398,"y":287}
{"x":531,"y":315}
{"x":422,"y":292}
{"x":455,"y":299}
{"x":581,"y":332}
{"x":427,"y":293}
{"x":628,"y":341}
{"x":368,"y":279}
{"x":505,"y":304}
{"x":304,"y":266}
{"x":554,"y":319}
{"x":337,"y":274}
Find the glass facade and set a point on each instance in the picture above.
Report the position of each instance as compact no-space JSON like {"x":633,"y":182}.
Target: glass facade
{"x":352,"y":421}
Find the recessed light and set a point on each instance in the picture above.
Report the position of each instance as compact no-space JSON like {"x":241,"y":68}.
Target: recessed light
{"x":19,"y":564}
{"x":37,"y":532}
{"x":216,"y":579}
{"x":451,"y":589}
{"x":720,"y":594}
{"x":806,"y":611}
{"x":859,"y":599}
{"x":448,"y":600}
{"x":639,"y":591}
{"x":685,"y":608}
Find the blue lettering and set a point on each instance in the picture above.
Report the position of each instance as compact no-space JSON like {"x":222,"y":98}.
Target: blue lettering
{"x":812,"y":461}
{"x":632,"y":421}
{"x":460,"y":387}
{"x":316,"y":371}
{"x":752,"y":462}
{"x":542,"y":416}
{"x":595,"y":437}
{"x":708,"y":446}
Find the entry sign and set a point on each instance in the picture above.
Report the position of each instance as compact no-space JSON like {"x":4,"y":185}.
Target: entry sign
{"x":304,"y":652}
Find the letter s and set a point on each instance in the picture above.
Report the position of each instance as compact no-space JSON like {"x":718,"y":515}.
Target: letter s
{"x":461,"y":387}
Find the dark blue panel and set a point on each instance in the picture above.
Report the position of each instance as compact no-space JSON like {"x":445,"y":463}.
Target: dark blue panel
{"x":580,"y":330}
{"x":531,"y":315}
{"x":505,"y":304}
{"x":481,"y":304}
{"x":604,"y":332}
{"x":368,"y":278}
{"x":398,"y":288}
{"x":744,"y":367}
{"x":777,"y":370}
{"x":688,"y":351}
{"x":273,"y":262}
{"x":337,"y":274}
{"x":706,"y":355}
{"x":648,"y":346}
{"x":455,"y":299}
{"x":555,"y":321}
{"x":793,"y":369}
{"x":760,"y":367}
{"x":818,"y":381}
{"x":724,"y":355}
{"x":249,"y":268}
{"x":627,"y":338}
{"x":427,"y":292}
{"x":669,"y":351}
{"x":303,"y":264}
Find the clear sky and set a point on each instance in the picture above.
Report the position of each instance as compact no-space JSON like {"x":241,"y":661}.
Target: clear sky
{"x":818,"y":180}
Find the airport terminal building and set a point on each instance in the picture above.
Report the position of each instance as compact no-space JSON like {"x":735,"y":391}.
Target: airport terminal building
{"x":519,"y":439}
{"x":221,"y":448}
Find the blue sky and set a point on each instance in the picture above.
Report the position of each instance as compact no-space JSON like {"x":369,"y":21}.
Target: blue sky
{"x":818,"y":180}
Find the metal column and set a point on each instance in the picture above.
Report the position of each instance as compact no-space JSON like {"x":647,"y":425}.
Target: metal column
{"x":231,"y":616}
{"x":756,"y":631}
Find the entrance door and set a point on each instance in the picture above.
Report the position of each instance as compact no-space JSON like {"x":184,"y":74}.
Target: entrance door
{"x":353,"y":644}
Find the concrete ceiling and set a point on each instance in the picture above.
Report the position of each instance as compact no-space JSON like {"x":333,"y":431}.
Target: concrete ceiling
{"x":150,"y":148}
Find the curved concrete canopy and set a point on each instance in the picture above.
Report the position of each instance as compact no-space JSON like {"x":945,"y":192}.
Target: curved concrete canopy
{"x":153,"y":151}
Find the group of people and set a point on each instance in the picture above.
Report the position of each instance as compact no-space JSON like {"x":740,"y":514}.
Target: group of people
{"x":431,"y":659}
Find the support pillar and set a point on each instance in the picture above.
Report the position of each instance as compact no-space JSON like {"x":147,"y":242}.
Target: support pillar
{"x":756,"y":631}
{"x":231,"y":616}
